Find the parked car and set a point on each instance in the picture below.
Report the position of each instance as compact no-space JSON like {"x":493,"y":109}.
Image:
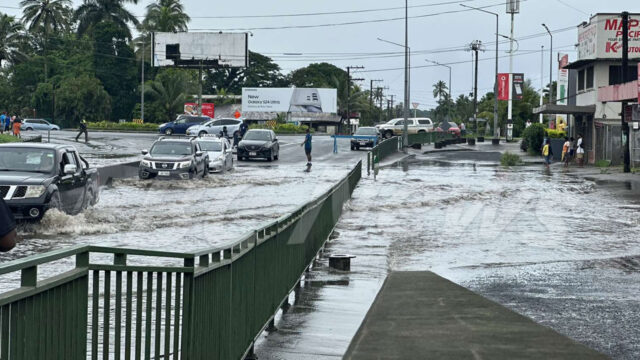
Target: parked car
{"x":396,"y":126}
{"x":38,"y":124}
{"x":174,"y":158}
{"x":450,"y":127}
{"x":259,"y":143}
{"x":37,"y":178}
{"x":214,"y":127}
{"x":219,"y":152}
{"x":365,"y":137}
{"x":181,"y":124}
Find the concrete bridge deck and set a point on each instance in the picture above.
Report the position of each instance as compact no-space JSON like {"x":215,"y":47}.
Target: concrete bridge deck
{"x":420,"y":315}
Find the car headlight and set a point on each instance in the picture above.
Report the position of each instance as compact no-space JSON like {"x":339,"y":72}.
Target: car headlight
{"x":184,"y":164}
{"x":145,"y":163}
{"x":35,"y":191}
{"x":162,"y":125}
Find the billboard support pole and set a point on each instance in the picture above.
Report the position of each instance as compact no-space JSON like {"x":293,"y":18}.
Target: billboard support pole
{"x":142,"y":84}
{"x":625,"y":76}
{"x":200,"y":89}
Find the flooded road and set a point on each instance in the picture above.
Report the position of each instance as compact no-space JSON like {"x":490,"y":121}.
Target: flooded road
{"x":557,"y":248}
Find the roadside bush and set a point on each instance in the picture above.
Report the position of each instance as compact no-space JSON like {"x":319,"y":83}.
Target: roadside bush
{"x":555,"y":134}
{"x":128,"y":126}
{"x":510,"y":159}
{"x":532,"y":138}
{"x":283,"y":128}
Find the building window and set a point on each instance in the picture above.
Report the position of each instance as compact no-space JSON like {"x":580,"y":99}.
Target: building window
{"x":589,"y":80}
{"x":615,"y":74}
{"x":581,"y":78}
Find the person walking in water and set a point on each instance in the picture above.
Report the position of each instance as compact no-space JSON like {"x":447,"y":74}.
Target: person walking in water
{"x":546,"y":152}
{"x":307,"y":146}
{"x":580,"y":151}
{"x":83,"y":129}
{"x":566,"y":147}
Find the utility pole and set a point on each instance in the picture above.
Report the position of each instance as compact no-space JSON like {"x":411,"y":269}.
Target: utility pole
{"x":381,"y":89}
{"x":541,"y":80}
{"x":405,"y":132}
{"x":550,"y":66}
{"x":393,"y":112}
{"x":475,"y":47}
{"x":142,"y":84}
{"x":513,"y":7}
{"x":371,"y":96}
{"x":349,"y":93}
{"x":625,"y":77}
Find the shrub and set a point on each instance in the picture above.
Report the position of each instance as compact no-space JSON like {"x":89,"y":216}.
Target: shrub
{"x":555,"y":134}
{"x":532,"y":138}
{"x":129,"y":126}
{"x":283,"y":128}
{"x":8,"y":139}
{"x":510,"y":159}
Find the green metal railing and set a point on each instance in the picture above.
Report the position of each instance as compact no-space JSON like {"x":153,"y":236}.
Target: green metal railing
{"x":394,"y":144}
{"x":209,"y":304}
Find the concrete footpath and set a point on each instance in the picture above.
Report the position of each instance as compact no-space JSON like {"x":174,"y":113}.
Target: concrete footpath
{"x":420,"y":315}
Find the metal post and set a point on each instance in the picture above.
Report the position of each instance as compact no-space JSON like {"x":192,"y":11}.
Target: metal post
{"x":495,"y":86}
{"x":348,"y":96}
{"x":625,"y":77}
{"x":200,"y":90}
{"x":142,"y":84}
{"x":510,"y":106}
{"x":405,"y":139}
{"x":475,"y":94}
{"x":541,"y":80}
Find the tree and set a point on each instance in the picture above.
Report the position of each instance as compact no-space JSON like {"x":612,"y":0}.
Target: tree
{"x":318,"y":75}
{"x":440,"y":90}
{"x":92,"y":12}
{"x":169,"y":91}
{"x":46,"y":17}
{"x":11,"y":39}
{"x":262,"y":72}
{"x":82,"y":98}
{"x":166,"y":16}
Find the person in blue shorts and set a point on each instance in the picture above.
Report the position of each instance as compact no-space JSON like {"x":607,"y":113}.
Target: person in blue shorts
{"x":307,"y":146}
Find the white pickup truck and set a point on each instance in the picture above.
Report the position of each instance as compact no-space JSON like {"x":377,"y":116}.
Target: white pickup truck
{"x":396,"y":126}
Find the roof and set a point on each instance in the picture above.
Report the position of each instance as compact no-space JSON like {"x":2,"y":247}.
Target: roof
{"x":177,"y":138}
{"x":565,"y":109}
{"x":38,"y":146}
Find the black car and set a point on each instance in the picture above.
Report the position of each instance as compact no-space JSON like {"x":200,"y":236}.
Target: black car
{"x":36,"y":178}
{"x":174,"y":158}
{"x":259,"y":143}
{"x":365,"y":137}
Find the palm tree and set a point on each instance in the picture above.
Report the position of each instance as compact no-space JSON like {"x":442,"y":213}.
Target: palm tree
{"x":11,"y":38}
{"x":92,"y":12}
{"x":166,"y":16}
{"x":46,"y":17}
{"x":440,"y":89}
{"x":169,"y":90}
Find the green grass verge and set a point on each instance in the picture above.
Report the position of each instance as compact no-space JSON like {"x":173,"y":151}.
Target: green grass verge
{"x":8,"y":139}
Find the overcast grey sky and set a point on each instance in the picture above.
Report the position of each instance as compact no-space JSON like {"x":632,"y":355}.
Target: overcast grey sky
{"x":440,"y":37}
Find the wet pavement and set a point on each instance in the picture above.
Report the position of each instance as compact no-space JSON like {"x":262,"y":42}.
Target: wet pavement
{"x":548,"y":244}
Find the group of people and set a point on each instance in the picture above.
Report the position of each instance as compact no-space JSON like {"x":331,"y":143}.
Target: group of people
{"x":10,"y":124}
{"x":571,"y":149}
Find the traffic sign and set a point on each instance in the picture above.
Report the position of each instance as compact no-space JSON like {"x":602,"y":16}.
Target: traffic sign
{"x":415,"y":105}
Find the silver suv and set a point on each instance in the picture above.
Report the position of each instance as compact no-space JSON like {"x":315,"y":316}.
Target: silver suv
{"x":396,"y":126}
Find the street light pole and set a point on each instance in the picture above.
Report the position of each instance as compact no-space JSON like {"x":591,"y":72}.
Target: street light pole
{"x":407,"y":68}
{"x":142,"y":85}
{"x":550,"y":66}
{"x":541,"y":80}
{"x":495,"y":80}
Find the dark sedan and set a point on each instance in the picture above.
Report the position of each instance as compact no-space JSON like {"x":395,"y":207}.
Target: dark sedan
{"x":259,"y":143}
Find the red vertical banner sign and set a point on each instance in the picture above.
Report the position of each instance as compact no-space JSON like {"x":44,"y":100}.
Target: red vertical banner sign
{"x":503,"y":86}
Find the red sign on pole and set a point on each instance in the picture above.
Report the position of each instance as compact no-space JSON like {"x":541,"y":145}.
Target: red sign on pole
{"x":503,"y":86}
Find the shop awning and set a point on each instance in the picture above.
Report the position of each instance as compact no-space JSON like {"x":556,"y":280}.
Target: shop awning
{"x":565,"y":109}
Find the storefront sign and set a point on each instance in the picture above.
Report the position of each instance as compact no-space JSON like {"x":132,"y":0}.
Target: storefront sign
{"x":601,"y":38}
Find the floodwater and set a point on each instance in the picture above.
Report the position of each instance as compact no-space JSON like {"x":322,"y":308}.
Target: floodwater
{"x":560,"y":249}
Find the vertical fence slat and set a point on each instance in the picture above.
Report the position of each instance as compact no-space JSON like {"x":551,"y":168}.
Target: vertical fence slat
{"x":106,"y":314}
{"x":139,"y":316}
{"x":147,"y":317}
{"x":94,"y":315}
{"x":129,"y":310}
{"x":158,"y":325}
{"x":118,"y":319}
{"x":167,"y":317}
{"x":176,"y":317}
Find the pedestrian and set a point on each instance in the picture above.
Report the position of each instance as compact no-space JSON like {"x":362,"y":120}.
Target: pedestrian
{"x":546,"y":152}
{"x":463,"y":129}
{"x":223,"y":133}
{"x":565,"y":151}
{"x":307,"y":146}
{"x":580,"y":151}
{"x":11,"y":121}
{"x":572,"y":150}
{"x":527,"y":124}
{"x":83,"y":129}
{"x":17,"y":122}
{"x":8,"y":233}
{"x":3,"y":117}
{"x":243,"y":129}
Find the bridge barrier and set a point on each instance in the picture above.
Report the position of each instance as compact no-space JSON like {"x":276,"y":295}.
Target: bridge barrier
{"x":117,"y":303}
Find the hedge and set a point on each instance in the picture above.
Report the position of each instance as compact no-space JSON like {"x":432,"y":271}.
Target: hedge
{"x":129,"y":126}
{"x":555,"y":134}
{"x":283,"y":128}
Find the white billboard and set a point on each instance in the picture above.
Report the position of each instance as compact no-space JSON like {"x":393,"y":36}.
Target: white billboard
{"x":601,"y":37}
{"x":295,"y":100}
{"x":205,"y":49}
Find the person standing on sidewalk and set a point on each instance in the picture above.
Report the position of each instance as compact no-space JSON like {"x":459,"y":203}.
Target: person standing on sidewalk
{"x":580,"y":151}
{"x":307,"y":146}
{"x":17,"y":123}
{"x":83,"y":129}
{"x":566,"y":147}
{"x":546,"y":152}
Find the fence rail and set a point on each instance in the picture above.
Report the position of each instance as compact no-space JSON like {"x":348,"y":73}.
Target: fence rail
{"x":208,"y":304}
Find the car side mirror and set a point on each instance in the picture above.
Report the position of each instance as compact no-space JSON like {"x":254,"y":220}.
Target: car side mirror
{"x":199,"y":153}
{"x":145,"y":152}
{"x":70,"y":169}
{"x":275,"y":140}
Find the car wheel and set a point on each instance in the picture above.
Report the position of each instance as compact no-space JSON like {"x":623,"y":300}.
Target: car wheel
{"x":29,"y":129}
{"x":205,"y":171}
{"x":88,"y":199}
{"x":55,"y":202}
{"x":357,"y":148}
{"x":270,"y":158}
{"x":277,"y":156}
{"x":421,"y":131}
{"x":168,"y":131}
{"x":202,"y":133}
{"x":388,"y":134}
